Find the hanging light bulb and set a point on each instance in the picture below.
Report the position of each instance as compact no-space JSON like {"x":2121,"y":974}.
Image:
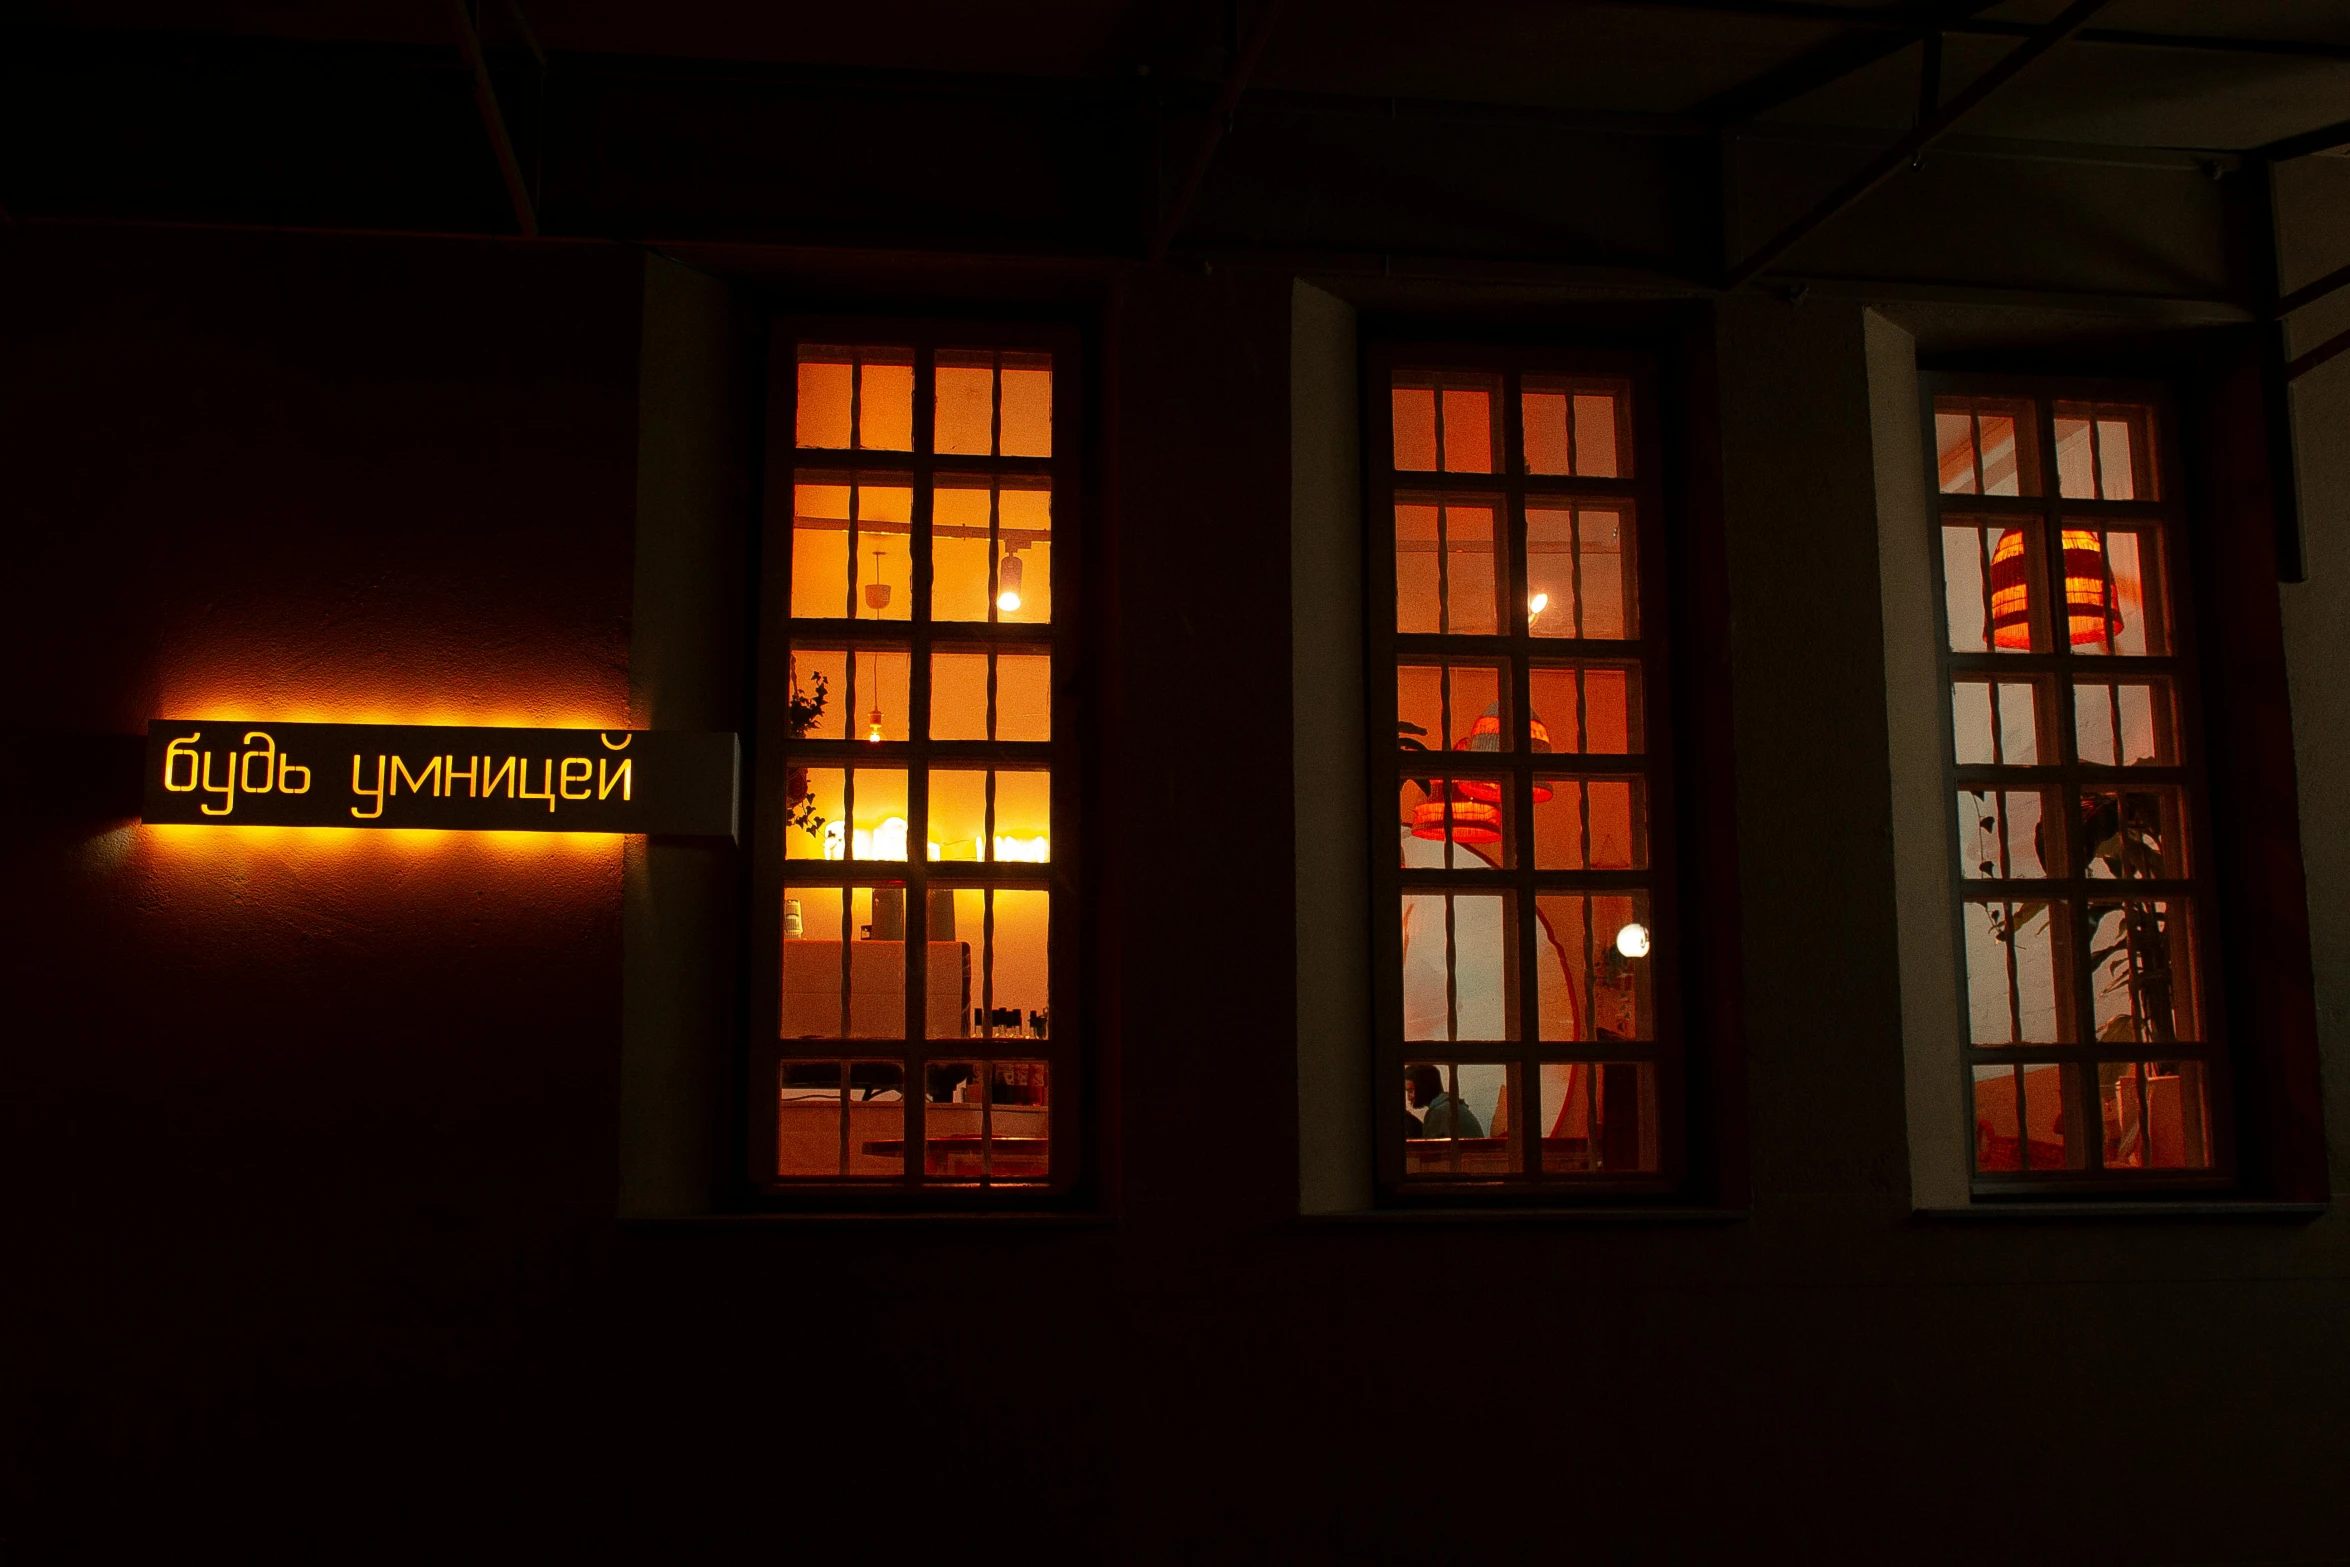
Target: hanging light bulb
{"x":873,"y":720}
{"x":1537,"y":604}
{"x":1008,"y":576}
{"x":1632,"y":940}
{"x":873,"y":726}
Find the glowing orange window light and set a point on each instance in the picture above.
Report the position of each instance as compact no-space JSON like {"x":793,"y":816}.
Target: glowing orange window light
{"x":2089,"y":594}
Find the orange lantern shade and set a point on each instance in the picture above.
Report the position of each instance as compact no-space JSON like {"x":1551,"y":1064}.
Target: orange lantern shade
{"x":2091,"y":603}
{"x":1473,"y":805}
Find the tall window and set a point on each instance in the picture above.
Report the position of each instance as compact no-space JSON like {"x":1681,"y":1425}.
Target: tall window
{"x":2079,"y":827}
{"x":1529,"y":1031}
{"x":915,"y":850}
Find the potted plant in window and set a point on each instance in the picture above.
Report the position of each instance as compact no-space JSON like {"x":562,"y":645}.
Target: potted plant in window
{"x":800,"y":713}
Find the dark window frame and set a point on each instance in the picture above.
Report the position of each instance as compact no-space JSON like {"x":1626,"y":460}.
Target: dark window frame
{"x":1071,"y":1048}
{"x":2219,"y":493}
{"x":1692,"y":854}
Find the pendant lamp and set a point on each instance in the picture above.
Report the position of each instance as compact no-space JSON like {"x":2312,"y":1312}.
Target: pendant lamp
{"x":2091,"y":602}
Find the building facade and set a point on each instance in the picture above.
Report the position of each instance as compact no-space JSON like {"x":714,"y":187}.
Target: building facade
{"x":1834,"y":1055}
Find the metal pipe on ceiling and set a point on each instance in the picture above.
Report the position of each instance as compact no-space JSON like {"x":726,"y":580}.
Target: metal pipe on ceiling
{"x":1906,"y":150}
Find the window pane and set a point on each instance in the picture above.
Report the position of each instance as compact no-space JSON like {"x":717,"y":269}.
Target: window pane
{"x":1604,"y":561}
{"x":2005,"y":834}
{"x":1448,"y":707}
{"x":1467,"y":430}
{"x":837,"y":1118}
{"x":958,"y":695}
{"x":1598,"y":436}
{"x":1589,"y":708}
{"x":958,"y":953}
{"x":1987,"y":445}
{"x":1599,"y":1116}
{"x":1024,"y":561}
{"x":1954,"y":446}
{"x":1459,"y":1119}
{"x":827,"y":385}
{"x":820,"y":585}
{"x":2136,"y":833}
{"x":828,"y":517}
{"x":1594,"y":957}
{"x":1544,"y":427}
{"x":1414,"y":409}
{"x":958,"y":815}
{"x":1457,"y":823}
{"x":810,"y":1115}
{"x":2012,"y":961}
{"x":1419,"y":601}
{"x":1601,"y":823}
{"x":2157,"y":1115}
{"x":2124,"y":570}
{"x":2105,"y":451}
{"x":1024,"y":696}
{"x":877,"y":817}
{"x":2008,"y":618}
{"x":2142,"y":972}
{"x":819,"y":817}
{"x":1473,"y":567}
{"x":1027,"y":405}
{"x":1459,"y":966}
{"x":2122,"y":723}
{"x":1550,"y":570}
{"x":1997,"y":723}
{"x":959,"y":526}
{"x":820,"y":677}
{"x":2028,"y":1118}
{"x":833,"y":935}
{"x":1575,"y":427}
{"x":1019,"y":1121}
{"x":1014,"y":980}
{"x":1023,"y":816}
{"x":964,"y":404}
{"x":885,"y":401}
{"x":873,"y":696}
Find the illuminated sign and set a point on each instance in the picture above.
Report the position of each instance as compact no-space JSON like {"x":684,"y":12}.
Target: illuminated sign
{"x":219,"y":772}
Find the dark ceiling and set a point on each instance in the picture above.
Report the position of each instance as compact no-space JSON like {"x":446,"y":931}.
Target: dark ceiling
{"x":2173,"y":73}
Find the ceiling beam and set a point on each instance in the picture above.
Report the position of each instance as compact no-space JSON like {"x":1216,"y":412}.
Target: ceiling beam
{"x":2324,"y":139}
{"x":2324,"y":351}
{"x":1912,"y":17}
{"x":485,"y":98}
{"x":1889,"y":163}
{"x":2311,"y":293}
{"x":1831,"y":62}
{"x":1244,"y":65}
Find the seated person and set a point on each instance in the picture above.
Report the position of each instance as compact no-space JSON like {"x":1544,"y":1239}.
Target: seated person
{"x":1444,"y":1115}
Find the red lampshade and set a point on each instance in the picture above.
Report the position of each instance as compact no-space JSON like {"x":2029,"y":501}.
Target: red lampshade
{"x":1474,"y":804}
{"x":2089,"y":595}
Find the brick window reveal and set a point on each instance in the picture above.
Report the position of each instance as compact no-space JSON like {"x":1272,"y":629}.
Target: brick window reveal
{"x":915,"y":855}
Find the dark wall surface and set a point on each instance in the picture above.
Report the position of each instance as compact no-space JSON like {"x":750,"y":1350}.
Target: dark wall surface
{"x":310,"y":1145}
{"x":306,"y":1134}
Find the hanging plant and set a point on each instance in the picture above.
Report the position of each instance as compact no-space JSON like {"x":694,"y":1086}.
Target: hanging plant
{"x":801,"y":711}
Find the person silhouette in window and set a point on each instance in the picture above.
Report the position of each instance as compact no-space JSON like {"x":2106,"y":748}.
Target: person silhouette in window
{"x":1442,"y":1115}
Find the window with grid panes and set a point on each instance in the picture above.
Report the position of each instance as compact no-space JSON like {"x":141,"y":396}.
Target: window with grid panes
{"x":2084,"y":891}
{"x":915,"y":856}
{"x":1525,"y":925}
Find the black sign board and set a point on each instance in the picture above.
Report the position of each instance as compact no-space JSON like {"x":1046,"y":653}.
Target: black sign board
{"x":220,"y":772}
